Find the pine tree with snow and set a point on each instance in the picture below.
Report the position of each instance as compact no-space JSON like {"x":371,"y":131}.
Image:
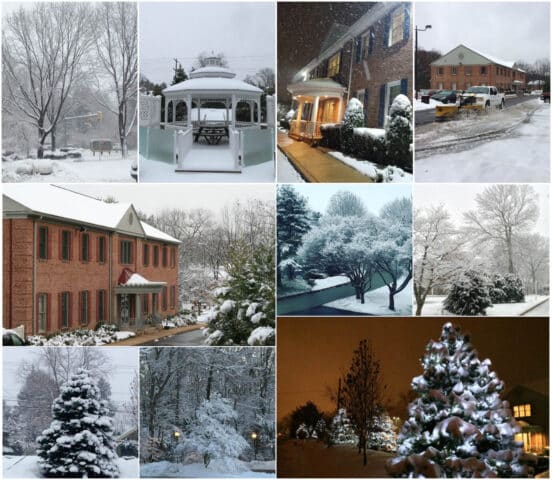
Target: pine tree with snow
{"x":382,"y":436}
{"x":79,"y":442}
{"x":458,"y":426}
{"x":302,"y":432}
{"x":246,"y":314}
{"x":399,"y":132}
{"x":469,"y":295}
{"x":213,"y":434}
{"x":342,"y":431}
{"x":353,"y":118}
{"x":513,"y":288}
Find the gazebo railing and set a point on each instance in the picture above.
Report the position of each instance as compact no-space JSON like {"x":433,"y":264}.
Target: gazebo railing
{"x":303,"y":128}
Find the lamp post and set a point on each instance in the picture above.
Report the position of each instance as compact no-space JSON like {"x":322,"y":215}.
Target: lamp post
{"x":416,"y":29}
{"x":255,"y":437}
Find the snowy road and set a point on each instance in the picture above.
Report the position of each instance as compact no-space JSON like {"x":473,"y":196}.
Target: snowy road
{"x":193,"y":337}
{"x":540,"y":310}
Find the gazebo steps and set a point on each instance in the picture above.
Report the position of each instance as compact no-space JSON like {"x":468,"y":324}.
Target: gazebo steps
{"x":205,"y":170}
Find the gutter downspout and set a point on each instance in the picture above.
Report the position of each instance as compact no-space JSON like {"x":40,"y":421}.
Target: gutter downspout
{"x":10,"y":320}
{"x":110,"y":301}
{"x":350,"y":70}
{"x":34,"y":278}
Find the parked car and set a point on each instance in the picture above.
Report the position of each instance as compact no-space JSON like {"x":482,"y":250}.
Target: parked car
{"x":445,"y":96}
{"x":12,"y":339}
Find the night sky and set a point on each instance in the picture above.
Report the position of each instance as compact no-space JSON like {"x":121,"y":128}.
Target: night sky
{"x":302,"y":27}
{"x":314,"y":352}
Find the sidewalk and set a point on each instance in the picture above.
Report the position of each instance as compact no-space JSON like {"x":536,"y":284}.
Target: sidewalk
{"x":150,"y":336}
{"x":315,"y":165}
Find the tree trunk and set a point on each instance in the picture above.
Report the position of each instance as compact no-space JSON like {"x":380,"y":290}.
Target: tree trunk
{"x":53,"y":138}
{"x":391,"y":300}
{"x":40,"y":149}
{"x":365,"y":459}
{"x":362,"y":297}
{"x":419,"y":307}
{"x":122,"y":136}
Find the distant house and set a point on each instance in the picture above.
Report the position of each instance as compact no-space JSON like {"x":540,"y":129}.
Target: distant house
{"x":463,"y":67}
{"x":370,"y":60}
{"x":72,"y":261}
{"x":530,"y":408}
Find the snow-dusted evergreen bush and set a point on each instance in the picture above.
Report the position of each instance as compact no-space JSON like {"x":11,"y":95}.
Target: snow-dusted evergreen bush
{"x":458,"y":426}
{"x":353,"y":118}
{"x":79,"y":442}
{"x":342,"y":432}
{"x":245,"y":313}
{"x":213,"y":434}
{"x":382,"y":435}
{"x":469,"y":295}
{"x":399,"y":132}
{"x":506,"y":289}
{"x":302,"y":432}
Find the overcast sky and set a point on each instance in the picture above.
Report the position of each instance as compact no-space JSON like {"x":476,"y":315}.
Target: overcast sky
{"x":243,"y":31}
{"x":459,"y":198}
{"x":152,"y":198}
{"x":507,"y":30}
{"x":374,"y":196}
{"x":123,"y":362}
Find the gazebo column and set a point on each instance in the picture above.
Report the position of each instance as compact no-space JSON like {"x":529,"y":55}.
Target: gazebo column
{"x":138,"y":310}
{"x":226,"y":106}
{"x":174,"y":110}
{"x":258,"y":103}
{"x":233,"y":111}
{"x":199,"y":110}
{"x":154,"y":304}
{"x":251,"y":111}
{"x":167,"y":101}
{"x":189,"y":110}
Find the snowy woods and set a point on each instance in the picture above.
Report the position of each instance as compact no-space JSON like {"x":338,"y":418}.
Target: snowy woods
{"x":348,"y":243}
{"x":206,"y":410}
{"x":491,"y":254}
{"x":64,"y":61}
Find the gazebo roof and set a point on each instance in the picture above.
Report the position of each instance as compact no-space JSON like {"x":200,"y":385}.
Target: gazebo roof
{"x":317,"y":87}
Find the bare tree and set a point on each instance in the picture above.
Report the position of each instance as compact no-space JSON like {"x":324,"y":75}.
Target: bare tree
{"x":362,"y":392}
{"x":42,"y":50}
{"x":117,"y":49}
{"x":503,"y":212}
{"x":533,"y":254}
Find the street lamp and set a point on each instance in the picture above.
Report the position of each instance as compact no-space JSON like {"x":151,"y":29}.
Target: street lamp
{"x":176,"y":435}
{"x":416,"y":29}
{"x":254,"y":437}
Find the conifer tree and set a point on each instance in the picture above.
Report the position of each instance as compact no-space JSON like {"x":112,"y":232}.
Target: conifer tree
{"x":469,"y":295}
{"x":353,"y":118}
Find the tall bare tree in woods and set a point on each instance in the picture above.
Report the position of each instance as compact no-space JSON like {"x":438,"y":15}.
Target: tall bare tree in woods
{"x":362,"y":390}
{"x":116,"y":46}
{"x":503,"y":213}
{"x":42,"y":50}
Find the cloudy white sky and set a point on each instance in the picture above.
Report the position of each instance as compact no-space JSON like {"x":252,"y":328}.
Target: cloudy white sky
{"x":459,"y":198}
{"x":507,"y":30}
{"x":243,"y":31}
{"x":123,"y":362}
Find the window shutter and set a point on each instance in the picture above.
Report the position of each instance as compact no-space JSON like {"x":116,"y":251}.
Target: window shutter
{"x":406,"y":28}
{"x":60,"y":249}
{"x":404,"y":86}
{"x":370,"y":41}
{"x":381,"y":114}
{"x":386,"y":27}
{"x":60,"y":310}
{"x":88,"y":302}
{"x":366,"y":95}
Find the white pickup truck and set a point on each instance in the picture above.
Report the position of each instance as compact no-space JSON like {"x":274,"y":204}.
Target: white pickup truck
{"x":481,"y":97}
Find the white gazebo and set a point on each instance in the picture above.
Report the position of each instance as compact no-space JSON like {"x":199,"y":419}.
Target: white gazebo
{"x":212,"y":84}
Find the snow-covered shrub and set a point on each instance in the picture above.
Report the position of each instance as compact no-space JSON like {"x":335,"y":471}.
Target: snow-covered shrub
{"x":399,"y":133}
{"x":331,"y":135}
{"x":382,"y":435}
{"x":128,"y":448}
{"x":513,"y":288}
{"x":302,"y":432}
{"x":79,"y":441}
{"x":104,"y":334}
{"x":458,"y":426}
{"x":369,"y":144}
{"x":342,"y":431}
{"x":354,"y":117}
{"x":469,"y":295}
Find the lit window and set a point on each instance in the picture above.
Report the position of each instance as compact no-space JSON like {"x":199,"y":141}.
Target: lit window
{"x":521,"y":411}
{"x":333,"y":64}
{"x":396,"y":33}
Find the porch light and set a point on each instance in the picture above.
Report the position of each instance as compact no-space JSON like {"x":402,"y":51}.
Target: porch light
{"x":176,"y":434}
{"x":254,"y":435}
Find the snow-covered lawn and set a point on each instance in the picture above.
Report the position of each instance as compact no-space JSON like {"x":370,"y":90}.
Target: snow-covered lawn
{"x":286,"y":172}
{"x":433,"y":306}
{"x":522,"y":155}
{"x":419,"y":105}
{"x":322,"y":283}
{"x":27,"y":467}
{"x":376,"y":173}
{"x":155,"y":171}
{"x":91,"y":169}
{"x":216,"y":469}
{"x":82,"y":337}
{"x":377,"y":302}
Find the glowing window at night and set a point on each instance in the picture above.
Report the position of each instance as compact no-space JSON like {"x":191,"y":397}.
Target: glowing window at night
{"x":521,"y":411}
{"x":333,"y":64}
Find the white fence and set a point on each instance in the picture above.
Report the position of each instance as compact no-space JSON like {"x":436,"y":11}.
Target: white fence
{"x":183,"y":142}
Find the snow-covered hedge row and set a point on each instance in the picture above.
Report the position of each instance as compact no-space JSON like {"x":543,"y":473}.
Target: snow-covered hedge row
{"x":82,"y":337}
{"x":331,"y":136}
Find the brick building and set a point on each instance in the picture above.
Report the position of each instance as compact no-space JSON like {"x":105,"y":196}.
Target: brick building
{"x":370,"y":60}
{"x":463,"y":67}
{"x":72,"y":261}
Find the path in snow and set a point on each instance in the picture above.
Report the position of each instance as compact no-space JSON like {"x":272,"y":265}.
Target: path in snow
{"x":310,"y":458}
{"x":193,"y":337}
{"x":542,"y":310}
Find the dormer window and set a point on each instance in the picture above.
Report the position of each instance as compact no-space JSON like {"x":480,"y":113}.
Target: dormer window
{"x":396,"y":32}
{"x":522,"y":411}
{"x":334,"y":64}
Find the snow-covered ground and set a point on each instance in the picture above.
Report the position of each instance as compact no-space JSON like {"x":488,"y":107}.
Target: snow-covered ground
{"x":216,"y":469}
{"x":27,"y":467}
{"x":286,"y":172}
{"x":91,"y":169}
{"x":419,"y":105}
{"x":522,"y":154}
{"x":155,"y":171}
{"x":376,"y":173}
{"x":377,"y":302}
{"x":322,"y":283}
{"x":433,"y":306}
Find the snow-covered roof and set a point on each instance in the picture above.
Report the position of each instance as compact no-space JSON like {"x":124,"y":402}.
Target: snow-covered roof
{"x":58,"y":202}
{"x":317,"y":87}
{"x":136,"y":280}
{"x":466,"y":51}
{"x":212,"y":85}
{"x":493,"y":59}
{"x":212,"y":71}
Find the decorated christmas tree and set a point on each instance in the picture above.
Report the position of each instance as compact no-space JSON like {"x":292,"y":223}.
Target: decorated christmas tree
{"x":458,"y":426}
{"x":79,"y":442}
{"x":342,"y":430}
{"x":383,"y":436}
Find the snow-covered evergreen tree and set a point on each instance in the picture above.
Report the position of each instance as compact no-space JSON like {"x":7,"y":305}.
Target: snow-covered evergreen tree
{"x":342,"y":431}
{"x":458,"y":426}
{"x":507,"y":289}
{"x":213,"y":433}
{"x":353,"y":118}
{"x":382,"y":436}
{"x":302,"y":432}
{"x":246,"y":314}
{"x":469,"y":295}
{"x":79,"y":442}
{"x":399,"y":132}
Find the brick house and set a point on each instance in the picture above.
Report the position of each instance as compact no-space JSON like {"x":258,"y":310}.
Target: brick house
{"x":72,"y":261}
{"x":463,"y":67}
{"x":370,"y":60}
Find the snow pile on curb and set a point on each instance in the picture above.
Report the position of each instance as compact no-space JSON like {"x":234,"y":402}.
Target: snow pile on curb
{"x":388,"y":174}
{"x":178,"y":320}
{"x":83,"y":337}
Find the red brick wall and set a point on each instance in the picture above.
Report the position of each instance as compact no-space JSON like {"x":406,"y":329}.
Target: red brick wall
{"x":502,"y":79}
